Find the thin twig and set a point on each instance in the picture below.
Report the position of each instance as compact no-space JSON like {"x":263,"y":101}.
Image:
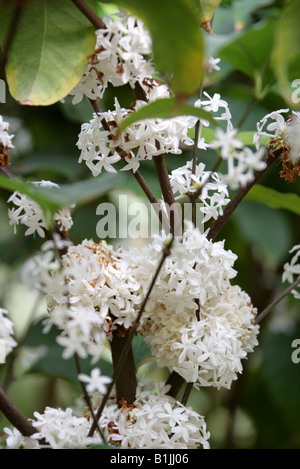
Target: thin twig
{"x":89,"y":14}
{"x":119,"y":366}
{"x":277,"y":300}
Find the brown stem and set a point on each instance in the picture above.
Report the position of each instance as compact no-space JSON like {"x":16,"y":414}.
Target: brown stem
{"x":15,"y":417}
{"x":89,"y":14}
{"x":175,"y":381}
{"x":126,"y":382}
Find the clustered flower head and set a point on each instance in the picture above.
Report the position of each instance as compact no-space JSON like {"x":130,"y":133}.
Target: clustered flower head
{"x":196,"y":322}
{"x":30,"y":214}
{"x":7,"y":341}
{"x":154,"y":420}
{"x":57,"y":428}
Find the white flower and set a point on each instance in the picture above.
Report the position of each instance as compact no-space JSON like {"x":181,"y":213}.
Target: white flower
{"x":95,"y":382}
{"x":212,"y":64}
{"x":213,"y":104}
{"x":7,"y":342}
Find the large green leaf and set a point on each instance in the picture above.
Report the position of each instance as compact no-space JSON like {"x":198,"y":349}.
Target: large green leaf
{"x":177,"y":40}
{"x":49,"y":51}
{"x":275,"y":199}
{"x":165,"y":108}
{"x":286,"y":53}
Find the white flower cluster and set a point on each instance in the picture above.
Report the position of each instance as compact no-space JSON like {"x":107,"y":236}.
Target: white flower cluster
{"x":30,"y":214}
{"x":291,"y":270}
{"x":102,"y":147}
{"x":60,"y":429}
{"x":84,"y":297}
{"x":120,"y":57}
{"x":5,"y":137}
{"x":195,"y":322}
{"x":7,"y":342}
{"x":213,"y":193}
{"x":154,"y":420}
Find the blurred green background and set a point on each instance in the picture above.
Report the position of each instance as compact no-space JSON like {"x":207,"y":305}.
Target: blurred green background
{"x":262,"y":410}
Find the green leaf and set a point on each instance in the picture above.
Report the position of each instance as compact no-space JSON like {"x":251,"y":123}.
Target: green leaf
{"x":250,"y":51}
{"x":286,"y":55}
{"x":49,"y":52}
{"x":165,"y":108}
{"x":177,"y":40}
{"x":78,"y":193}
{"x":275,"y":199}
